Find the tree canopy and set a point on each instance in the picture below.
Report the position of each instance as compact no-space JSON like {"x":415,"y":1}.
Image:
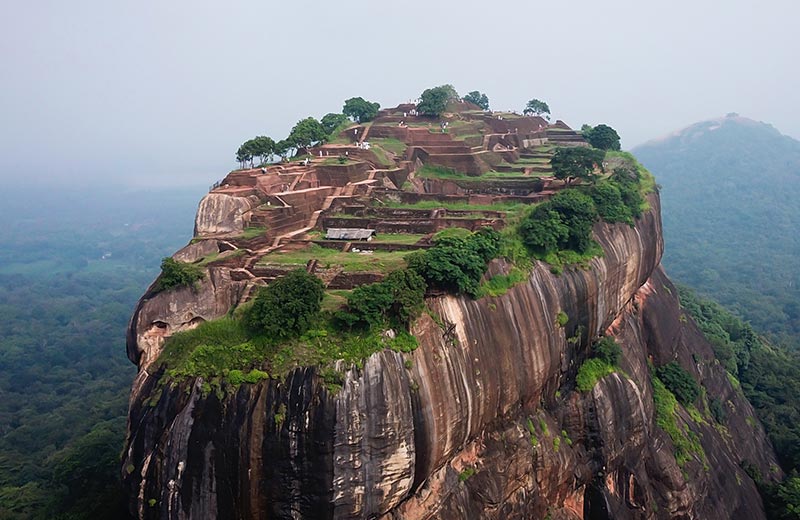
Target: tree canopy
{"x":261,"y":146}
{"x":543,"y":230}
{"x":577,"y":211}
{"x":433,"y":101}
{"x":360,"y":110}
{"x":576,"y":163}
{"x":282,"y":147}
{"x":332,"y":121}
{"x":457,"y":263}
{"x":477,"y":98}
{"x":679,"y":382}
{"x":287,"y":306}
{"x":307,"y":132}
{"x":601,"y":136}
{"x":536,"y":107}
{"x":394,"y":301}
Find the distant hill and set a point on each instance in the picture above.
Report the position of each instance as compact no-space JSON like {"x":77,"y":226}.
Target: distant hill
{"x":731,"y":210}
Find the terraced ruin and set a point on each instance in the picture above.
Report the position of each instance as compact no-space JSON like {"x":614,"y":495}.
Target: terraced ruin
{"x":407,"y":177}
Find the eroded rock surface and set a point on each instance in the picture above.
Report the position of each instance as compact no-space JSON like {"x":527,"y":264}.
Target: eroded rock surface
{"x":482,"y":420}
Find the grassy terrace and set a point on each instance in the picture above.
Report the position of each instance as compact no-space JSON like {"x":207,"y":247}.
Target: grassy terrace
{"x":377,"y":261}
{"x":459,"y":206}
{"x":390,"y":144}
{"x":253,"y":232}
{"x":224,"y":349}
{"x":381,"y":238}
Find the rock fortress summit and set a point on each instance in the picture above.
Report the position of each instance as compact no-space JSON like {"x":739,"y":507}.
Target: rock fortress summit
{"x":434,"y":314}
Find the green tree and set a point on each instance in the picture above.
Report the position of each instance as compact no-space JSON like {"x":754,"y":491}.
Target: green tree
{"x":543,"y":231}
{"x":477,"y":98}
{"x":360,"y":110}
{"x":331,"y":122}
{"x":578,"y":213}
{"x":433,"y":101}
{"x":263,"y":147}
{"x":287,"y":306}
{"x":457,"y":264}
{"x":175,"y":274}
{"x":88,"y":469}
{"x":246,"y":152}
{"x":576,"y":162}
{"x":396,"y":301}
{"x":282,"y":147}
{"x":536,"y":107}
{"x":607,"y":350}
{"x":603,"y":137}
{"x":307,"y":132}
{"x":679,"y":382}
{"x":628,"y":181}
{"x":609,"y":203}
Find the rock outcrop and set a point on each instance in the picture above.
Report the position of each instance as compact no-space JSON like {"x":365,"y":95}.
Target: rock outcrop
{"x":482,"y":420}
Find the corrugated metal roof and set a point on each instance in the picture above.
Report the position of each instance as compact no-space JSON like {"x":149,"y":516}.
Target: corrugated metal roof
{"x":349,"y":233}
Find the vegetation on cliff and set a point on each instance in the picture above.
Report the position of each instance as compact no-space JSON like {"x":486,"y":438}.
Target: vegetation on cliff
{"x":177,"y":274}
{"x":769,"y":376}
{"x":605,"y":356}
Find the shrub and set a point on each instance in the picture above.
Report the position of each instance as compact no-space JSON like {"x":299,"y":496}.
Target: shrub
{"x":717,"y":410}
{"x":176,"y":274}
{"x":591,"y":372}
{"x":397,"y":299}
{"x":608,"y":350}
{"x":628,"y":181}
{"x":577,"y":211}
{"x":608,"y":201}
{"x":287,"y":306}
{"x":679,"y":382}
{"x":455,"y":263}
{"x":562,"y":318}
{"x":543,"y":230}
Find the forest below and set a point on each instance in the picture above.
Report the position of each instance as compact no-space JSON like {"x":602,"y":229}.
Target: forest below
{"x":72,"y":267}
{"x":729,"y":204}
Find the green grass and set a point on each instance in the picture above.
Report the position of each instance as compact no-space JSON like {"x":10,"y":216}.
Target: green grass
{"x":335,"y":161}
{"x":334,"y":299}
{"x":533,"y":161}
{"x":378,"y":261}
{"x":383,"y":157}
{"x":499,"y":284}
{"x":592,"y":371}
{"x":430,"y":171}
{"x":398,"y":238}
{"x":458,"y":206}
{"x":225,"y":350}
{"x":396,"y":146}
{"x":560,"y":259}
{"x":252,"y":232}
{"x":454,"y":232}
{"x":686,"y":442}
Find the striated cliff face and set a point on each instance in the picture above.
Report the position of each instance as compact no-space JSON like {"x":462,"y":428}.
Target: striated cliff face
{"x":482,"y":420}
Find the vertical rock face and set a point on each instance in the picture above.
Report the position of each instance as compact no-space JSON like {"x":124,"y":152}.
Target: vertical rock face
{"x":482,"y":420}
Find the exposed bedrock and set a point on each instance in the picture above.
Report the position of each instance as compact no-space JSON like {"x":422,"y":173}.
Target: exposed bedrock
{"x":219,"y":213}
{"x":481,"y":421}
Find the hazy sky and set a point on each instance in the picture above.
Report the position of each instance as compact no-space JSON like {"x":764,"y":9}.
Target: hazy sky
{"x":165,"y":91}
